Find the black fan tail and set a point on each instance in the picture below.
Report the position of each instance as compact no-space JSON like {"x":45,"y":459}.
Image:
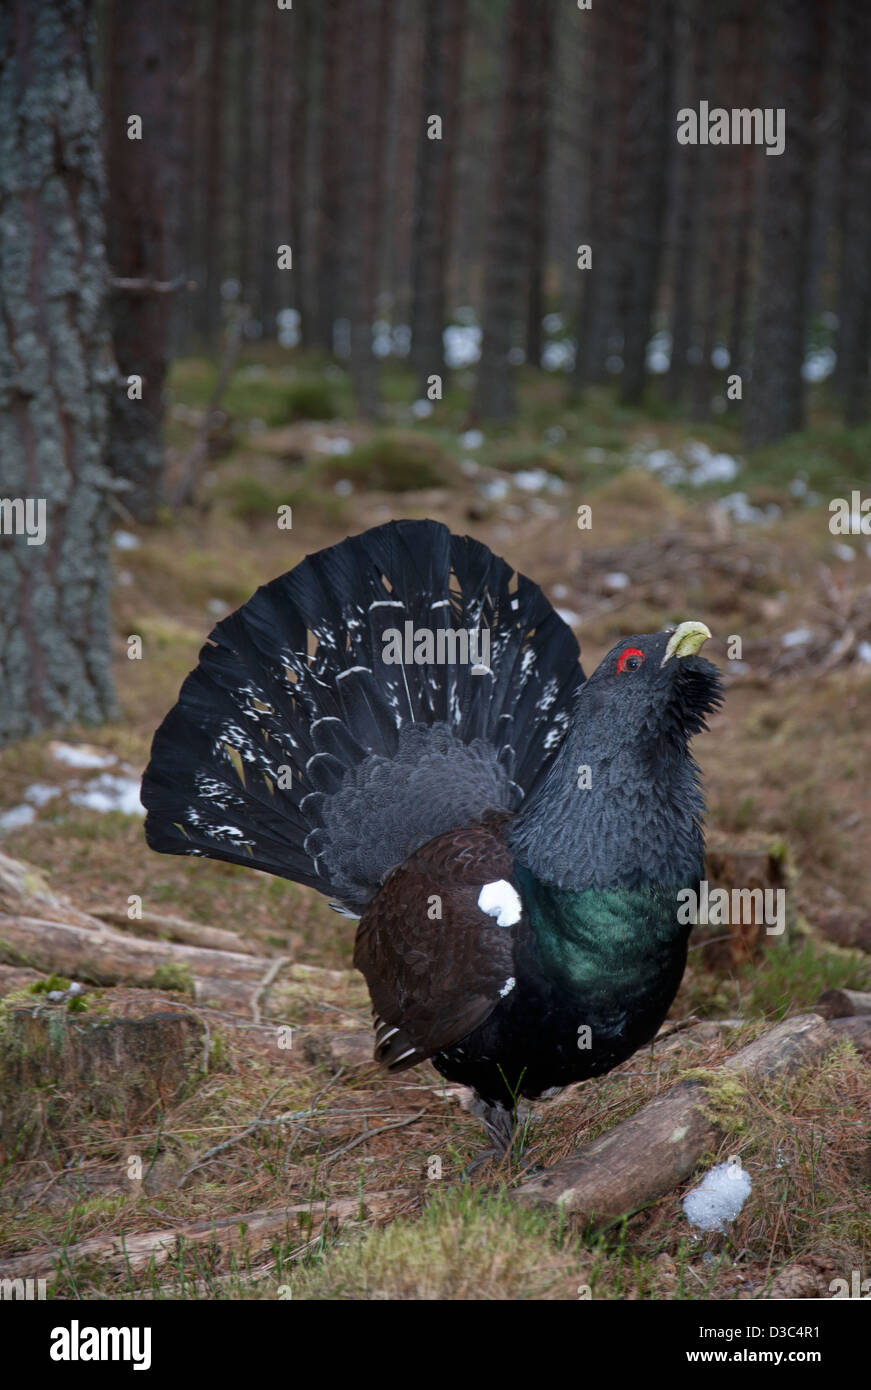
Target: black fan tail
{"x":309,"y":741}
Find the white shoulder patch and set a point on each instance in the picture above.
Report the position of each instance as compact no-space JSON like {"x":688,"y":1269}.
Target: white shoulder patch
{"x":501,"y":901}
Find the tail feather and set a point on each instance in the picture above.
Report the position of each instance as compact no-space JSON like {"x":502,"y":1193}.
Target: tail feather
{"x":296,"y":748}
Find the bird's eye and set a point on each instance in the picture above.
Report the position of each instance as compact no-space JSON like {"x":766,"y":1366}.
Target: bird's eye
{"x":630,"y":659}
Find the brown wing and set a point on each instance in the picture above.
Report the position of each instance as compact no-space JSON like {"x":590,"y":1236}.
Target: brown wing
{"x":435,"y":963}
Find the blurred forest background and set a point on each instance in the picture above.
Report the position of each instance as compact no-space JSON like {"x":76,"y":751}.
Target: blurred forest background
{"x":385,"y":201}
{"x":269,"y":275}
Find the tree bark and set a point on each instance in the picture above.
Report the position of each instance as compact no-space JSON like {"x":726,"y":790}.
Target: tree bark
{"x":368,"y":47}
{"x":854,"y":335}
{"x":145,"y":54}
{"x":55,"y":374}
{"x":209,"y":318}
{"x":442,"y":61}
{"x":507,"y":248}
{"x":651,"y":145}
{"x":605,"y":135}
{"x":541,"y":39}
{"x":775,"y":398}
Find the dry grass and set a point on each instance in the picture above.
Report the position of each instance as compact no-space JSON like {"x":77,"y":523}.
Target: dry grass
{"x":785,"y":758}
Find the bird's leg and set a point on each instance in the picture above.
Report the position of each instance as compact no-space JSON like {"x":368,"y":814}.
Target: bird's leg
{"x":499,"y":1123}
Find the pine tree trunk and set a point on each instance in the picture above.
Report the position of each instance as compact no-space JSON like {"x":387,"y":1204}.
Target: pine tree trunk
{"x":442,"y":58}
{"x":775,"y":397}
{"x":854,"y":336}
{"x":209,"y":318}
{"x":368,"y":68}
{"x":507,"y":248}
{"x":331,"y":166}
{"x":604,"y":136}
{"x":690,"y":209}
{"x":303,"y":284}
{"x":652,"y":144}
{"x":55,"y":373}
{"x":145,"y":50}
{"x":541,"y":39}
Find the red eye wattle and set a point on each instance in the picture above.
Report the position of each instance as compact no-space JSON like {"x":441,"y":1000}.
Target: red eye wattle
{"x":630,"y":659}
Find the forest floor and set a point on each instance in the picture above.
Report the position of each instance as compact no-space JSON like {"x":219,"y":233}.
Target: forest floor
{"x":785,"y":766}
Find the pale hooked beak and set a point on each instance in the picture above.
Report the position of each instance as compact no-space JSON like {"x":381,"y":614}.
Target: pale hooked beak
{"x":686,"y":640}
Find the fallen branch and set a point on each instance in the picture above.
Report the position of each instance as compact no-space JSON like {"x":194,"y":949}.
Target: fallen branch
{"x":167,"y":928}
{"x":843,"y":1003}
{"x":650,"y":1153}
{"x":245,"y":1234}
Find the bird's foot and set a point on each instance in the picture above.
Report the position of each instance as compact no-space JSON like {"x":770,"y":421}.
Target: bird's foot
{"x":500,"y":1124}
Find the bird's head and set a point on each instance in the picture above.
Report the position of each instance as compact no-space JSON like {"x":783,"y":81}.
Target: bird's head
{"x":622,"y":801}
{"x":652,"y":688}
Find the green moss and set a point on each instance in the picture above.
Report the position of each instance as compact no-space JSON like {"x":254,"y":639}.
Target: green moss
{"x":395,"y":461}
{"x":54,"y":982}
{"x":311,"y":398}
{"x":174,"y":975}
{"x":726,"y":1097}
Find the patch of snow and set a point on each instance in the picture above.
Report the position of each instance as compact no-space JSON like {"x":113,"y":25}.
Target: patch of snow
{"x":500,"y":900}
{"x":17,"y":817}
{"x":471,"y":439}
{"x":495,"y":490}
{"x":462,"y":344}
{"x":420,"y":409}
{"x":798,"y":637}
{"x":331,"y":444}
{"x":109,"y":792}
{"x":819,"y":364}
{"x":530,"y":479}
{"x":569,"y":616}
{"x":38,"y":793}
{"x":709,"y":467}
{"x":739,"y":508}
{"x":616,"y":580}
{"x":560,"y":591}
{"x":863,"y":651}
{"x":558,"y":356}
{"x":719,"y":1197}
{"x":664,"y":463}
{"x":125,"y":540}
{"x":80,"y":755}
{"x":843,"y":551}
{"x":343,"y":487}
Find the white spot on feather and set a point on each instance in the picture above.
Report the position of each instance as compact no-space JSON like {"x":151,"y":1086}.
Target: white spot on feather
{"x":500,"y":900}
{"x":507,"y":987}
